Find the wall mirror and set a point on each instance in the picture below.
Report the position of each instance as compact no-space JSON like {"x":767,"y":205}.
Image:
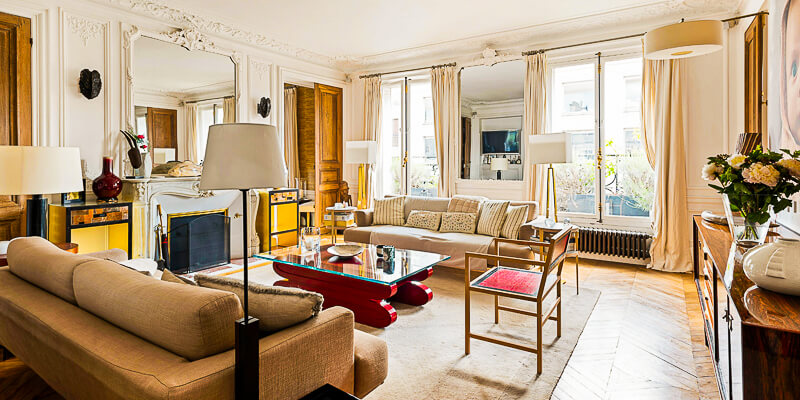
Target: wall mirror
{"x":491,"y":140}
{"x":179,"y":87}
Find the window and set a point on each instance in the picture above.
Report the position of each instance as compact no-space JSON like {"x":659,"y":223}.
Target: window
{"x":623,"y":185}
{"x":207,"y":115}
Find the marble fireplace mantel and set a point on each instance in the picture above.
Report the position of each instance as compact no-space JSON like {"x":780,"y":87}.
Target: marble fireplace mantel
{"x":183,"y":194}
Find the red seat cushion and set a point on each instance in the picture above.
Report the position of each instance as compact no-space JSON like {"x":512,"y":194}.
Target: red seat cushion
{"x":511,"y":280}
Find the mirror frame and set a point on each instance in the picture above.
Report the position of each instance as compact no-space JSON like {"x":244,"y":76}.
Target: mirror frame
{"x":192,"y":40}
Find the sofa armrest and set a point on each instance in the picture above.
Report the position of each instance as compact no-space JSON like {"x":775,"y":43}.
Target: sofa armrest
{"x":299,"y":359}
{"x":364,"y":217}
{"x":117,"y":255}
{"x":527,"y":230}
{"x":371,"y":362}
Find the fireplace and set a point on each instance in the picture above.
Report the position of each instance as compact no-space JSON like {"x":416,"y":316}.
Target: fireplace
{"x":198,"y":240}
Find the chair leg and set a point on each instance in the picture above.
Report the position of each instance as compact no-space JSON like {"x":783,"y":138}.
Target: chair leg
{"x":577,"y":281}
{"x":496,"y":309}
{"x":539,"y":344}
{"x":558,"y":309}
{"x":466,"y":322}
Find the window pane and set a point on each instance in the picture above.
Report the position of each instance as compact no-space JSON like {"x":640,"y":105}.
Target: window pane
{"x":391,"y":139}
{"x":628,"y":178}
{"x":205,"y":116}
{"x":572,"y":110}
{"x":423,"y":170}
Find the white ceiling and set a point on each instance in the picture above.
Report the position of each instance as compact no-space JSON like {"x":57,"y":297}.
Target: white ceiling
{"x":361,"y":28}
{"x":503,"y":81}
{"x":166,"y":67}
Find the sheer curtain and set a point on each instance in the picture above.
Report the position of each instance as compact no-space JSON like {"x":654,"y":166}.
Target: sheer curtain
{"x":535,"y":114}
{"x":372,"y":131}
{"x":190,"y":133}
{"x":663,"y":127}
{"x":229,"y":110}
{"x":446,"y":115}
{"x":290,"y":134}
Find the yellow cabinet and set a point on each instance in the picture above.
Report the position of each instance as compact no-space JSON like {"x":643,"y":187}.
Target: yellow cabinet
{"x":92,"y":226}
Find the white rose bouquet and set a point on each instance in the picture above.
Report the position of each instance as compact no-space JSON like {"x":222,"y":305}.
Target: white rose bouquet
{"x":756,"y":182}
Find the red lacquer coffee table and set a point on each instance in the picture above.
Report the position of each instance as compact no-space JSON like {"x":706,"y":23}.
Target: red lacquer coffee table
{"x":365,"y":284}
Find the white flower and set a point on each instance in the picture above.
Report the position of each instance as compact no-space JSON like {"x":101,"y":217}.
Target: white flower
{"x":737,"y":160}
{"x":792,"y":165}
{"x":760,"y":173}
{"x":712,"y":171}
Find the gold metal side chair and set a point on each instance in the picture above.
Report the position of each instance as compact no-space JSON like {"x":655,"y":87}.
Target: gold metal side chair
{"x":521,"y":284}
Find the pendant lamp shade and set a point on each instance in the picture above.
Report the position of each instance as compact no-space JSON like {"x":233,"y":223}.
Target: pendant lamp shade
{"x":685,"y":39}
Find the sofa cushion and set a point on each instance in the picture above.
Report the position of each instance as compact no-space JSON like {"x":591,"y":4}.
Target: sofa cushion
{"x":359,"y":234}
{"x":458,"y":222}
{"x":464,"y":205}
{"x":424,"y":219}
{"x":275,"y":307}
{"x":41,"y":263}
{"x":493,"y":214}
{"x":437,"y":204}
{"x":389,"y":211}
{"x":515,"y":217}
{"x":168,"y":276}
{"x":190,"y":321}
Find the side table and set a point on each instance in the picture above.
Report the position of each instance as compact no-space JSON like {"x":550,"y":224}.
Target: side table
{"x":333,"y":212}
{"x":70,"y":247}
{"x":545,"y":231}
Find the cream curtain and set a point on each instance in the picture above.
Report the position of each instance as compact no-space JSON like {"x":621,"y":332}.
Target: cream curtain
{"x":446,"y":114}
{"x":535,"y":114}
{"x":372,"y":131}
{"x":663,"y":127}
{"x":290,"y":135}
{"x":229,"y":110}
{"x":190,"y":133}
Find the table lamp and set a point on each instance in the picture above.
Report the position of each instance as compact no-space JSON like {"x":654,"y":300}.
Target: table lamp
{"x":32,"y":170}
{"x":499,"y":164}
{"x":361,"y":152}
{"x":242,"y":157}
{"x":551,"y":148}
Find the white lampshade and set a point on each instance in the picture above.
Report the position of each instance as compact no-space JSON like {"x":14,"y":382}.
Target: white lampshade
{"x":550,"y":148}
{"x":243,"y":156}
{"x":685,"y":39}
{"x":28,"y":170}
{"x":361,"y":152}
{"x":499,"y":164}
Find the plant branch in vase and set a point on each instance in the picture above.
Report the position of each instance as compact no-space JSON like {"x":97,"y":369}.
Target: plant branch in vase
{"x":754,"y":188}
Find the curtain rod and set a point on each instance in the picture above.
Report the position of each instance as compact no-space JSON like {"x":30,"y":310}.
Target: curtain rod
{"x":209,"y":99}
{"x":525,"y":53}
{"x":452,"y":64}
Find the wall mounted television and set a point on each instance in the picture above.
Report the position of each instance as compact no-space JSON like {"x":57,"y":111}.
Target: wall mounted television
{"x":505,"y":141}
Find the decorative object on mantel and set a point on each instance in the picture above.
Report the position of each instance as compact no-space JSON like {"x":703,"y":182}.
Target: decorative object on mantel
{"x":90,"y":83}
{"x":264,"y":107}
{"x":163,"y":169}
{"x":714,"y":218}
{"x":754,"y":188}
{"x":138,"y":154}
{"x":775,"y":266}
{"x":186,"y":168}
{"x":107,"y":186}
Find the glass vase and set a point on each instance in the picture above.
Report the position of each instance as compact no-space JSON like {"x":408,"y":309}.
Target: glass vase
{"x":745,"y":215}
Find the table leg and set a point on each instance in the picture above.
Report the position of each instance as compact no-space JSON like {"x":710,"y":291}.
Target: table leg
{"x":413,"y":293}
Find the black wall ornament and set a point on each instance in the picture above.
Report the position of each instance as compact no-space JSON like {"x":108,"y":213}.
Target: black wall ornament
{"x":264,"y":107}
{"x":90,"y":83}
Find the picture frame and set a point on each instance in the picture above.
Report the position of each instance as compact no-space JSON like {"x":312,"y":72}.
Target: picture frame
{"x":74,"y":197}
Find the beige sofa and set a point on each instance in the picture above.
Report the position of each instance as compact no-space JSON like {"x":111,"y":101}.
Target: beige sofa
{"x":451,"y":244}
{"x":93,"y":329}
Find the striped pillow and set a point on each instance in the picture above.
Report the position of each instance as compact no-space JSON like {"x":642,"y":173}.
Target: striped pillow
{"x":389,"y":211}
{"x":515,"y":217}
{"x":463,"y":205}
{"x":493,"y":213}
{"x":424,"y":219}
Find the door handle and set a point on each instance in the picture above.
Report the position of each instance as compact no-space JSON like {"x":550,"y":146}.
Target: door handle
{"x":405,"y":160}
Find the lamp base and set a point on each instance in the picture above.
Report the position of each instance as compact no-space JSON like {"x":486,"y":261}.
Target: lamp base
{"x":246,"y":370}
{"x":36,"y":223}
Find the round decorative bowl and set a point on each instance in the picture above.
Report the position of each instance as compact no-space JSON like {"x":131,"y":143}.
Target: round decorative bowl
{"x":345,"y":250}
{"x":775,"y":266}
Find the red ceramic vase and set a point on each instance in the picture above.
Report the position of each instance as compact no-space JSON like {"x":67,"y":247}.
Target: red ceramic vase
{"x":107,"y":186}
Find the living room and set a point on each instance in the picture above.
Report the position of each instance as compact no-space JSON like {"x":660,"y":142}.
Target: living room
{"x":204,"y":199}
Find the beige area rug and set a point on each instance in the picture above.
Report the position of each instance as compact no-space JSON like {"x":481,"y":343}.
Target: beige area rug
{"x":426,"y":345}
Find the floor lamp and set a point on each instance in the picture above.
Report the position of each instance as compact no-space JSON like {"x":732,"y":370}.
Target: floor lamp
{"x":33,"y":170}
{"x":363,"y":153}
{"x":244,"y":157}
{"x":551,"y":148}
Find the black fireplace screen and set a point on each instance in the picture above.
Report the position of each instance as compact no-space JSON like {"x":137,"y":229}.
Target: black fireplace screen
{"x":198,"y":242}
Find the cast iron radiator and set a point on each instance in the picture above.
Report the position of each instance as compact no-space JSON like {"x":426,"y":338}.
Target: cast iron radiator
{"x":615,"y":243}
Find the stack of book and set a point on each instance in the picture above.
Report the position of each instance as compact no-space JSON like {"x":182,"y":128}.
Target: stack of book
{"x":341,"y":219}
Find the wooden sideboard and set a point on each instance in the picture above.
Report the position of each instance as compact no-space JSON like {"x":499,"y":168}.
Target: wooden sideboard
{"x":753,"y":334}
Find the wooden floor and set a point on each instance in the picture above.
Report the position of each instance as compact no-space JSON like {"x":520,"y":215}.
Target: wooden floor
{"x":644,"y":340}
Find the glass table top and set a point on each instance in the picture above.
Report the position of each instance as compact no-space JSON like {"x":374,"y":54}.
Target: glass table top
{"x":366,"y":266}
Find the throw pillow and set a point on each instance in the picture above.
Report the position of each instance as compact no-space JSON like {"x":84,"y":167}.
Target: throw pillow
{"x":463,"y":205}
{"x":458,"y":222}
{"x":168,"y":276}
{"x":493,"y":213}
{"x":389,"y":211}
{"x":275,"y":307}
{"x":515,"y":217}
{"x":424,"y":219}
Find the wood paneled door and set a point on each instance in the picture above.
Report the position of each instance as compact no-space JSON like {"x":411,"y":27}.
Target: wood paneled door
{"x":754,"y":96}
{"x":162,"y":127}
{"x":15,"y":107}
{"x":328,"y":134}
